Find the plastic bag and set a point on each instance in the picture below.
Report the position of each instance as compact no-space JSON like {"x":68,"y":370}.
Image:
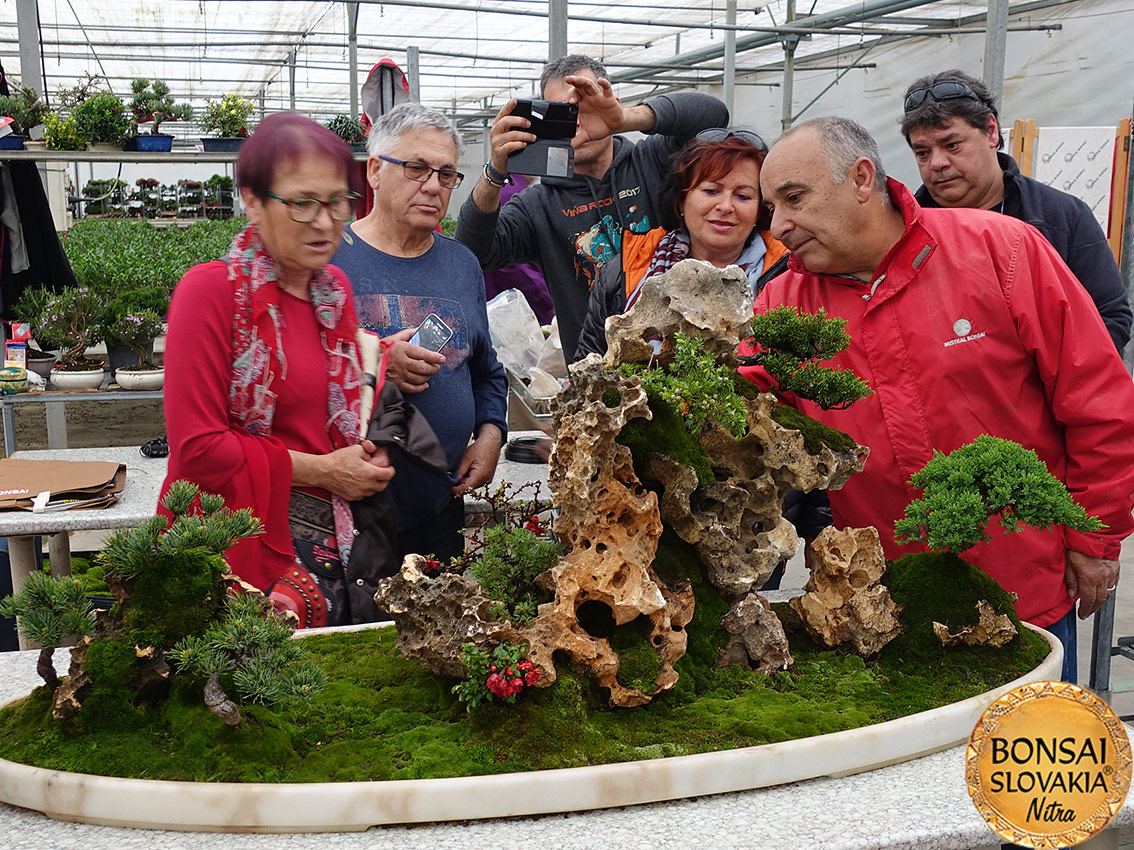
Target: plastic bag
{"x":515,"y":331}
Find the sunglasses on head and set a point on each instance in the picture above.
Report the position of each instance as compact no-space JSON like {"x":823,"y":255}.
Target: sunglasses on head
{"x":719,"y":134}
{"x":946,"y":90}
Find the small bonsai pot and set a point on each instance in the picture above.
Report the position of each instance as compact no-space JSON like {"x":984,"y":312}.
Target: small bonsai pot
{"x":11,"y":142}
{"x":83,"y":379}
{"x":222,"y":145}
{"x":150,"y":142}
{"x":136,"y":378}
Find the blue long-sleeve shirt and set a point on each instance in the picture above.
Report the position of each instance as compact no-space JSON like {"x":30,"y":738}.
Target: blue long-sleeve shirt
{"x":392,"y":293}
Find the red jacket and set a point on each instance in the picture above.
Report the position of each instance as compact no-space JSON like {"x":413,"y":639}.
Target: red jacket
{"x":977,"y":326}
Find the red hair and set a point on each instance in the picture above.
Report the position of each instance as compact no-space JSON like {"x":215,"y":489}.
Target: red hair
{"x":281,"y":141}
{"x":700,"y":161}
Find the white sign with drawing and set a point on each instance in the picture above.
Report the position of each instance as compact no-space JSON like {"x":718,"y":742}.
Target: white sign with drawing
{"x":1078,"y":160}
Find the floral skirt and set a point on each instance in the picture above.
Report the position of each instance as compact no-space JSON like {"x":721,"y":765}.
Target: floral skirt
{"x":315,"y":586}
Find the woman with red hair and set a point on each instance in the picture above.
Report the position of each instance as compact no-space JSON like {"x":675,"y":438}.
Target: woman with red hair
{"x":722,"y":221}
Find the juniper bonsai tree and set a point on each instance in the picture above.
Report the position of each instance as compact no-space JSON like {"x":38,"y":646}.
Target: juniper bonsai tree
{"x":50,"y":611}
{"x":790,"y":347}
{"x":989,"y":477}
{"x":252,"y":645}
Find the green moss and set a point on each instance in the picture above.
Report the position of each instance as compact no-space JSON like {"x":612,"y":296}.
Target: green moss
{"x":177,"y":595}
{"x":665,"y":434}
{"x":640,"y":662}
{"x":612,"y":398}
{"x":932,"y":586}
{"x":816,"y":435}
{"x":384,"y":717}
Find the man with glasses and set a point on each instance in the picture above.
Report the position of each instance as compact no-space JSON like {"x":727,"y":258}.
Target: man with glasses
{"x":407,"y":276}
{"x":570,"y":226}
{"x":950,"y":122}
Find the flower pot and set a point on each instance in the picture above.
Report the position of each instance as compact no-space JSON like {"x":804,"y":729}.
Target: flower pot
{"x":140,"y":379}
{"x":222,"y":145}
{"x":359,"y":147}
{"x":150,"y":142}
{"x":104,"y":146}
{"x":35,"y":144}
{"x":41,"y":366}
{"x":84,"y":379}
{"x":11,"y":142}
{"x":122,"y":356}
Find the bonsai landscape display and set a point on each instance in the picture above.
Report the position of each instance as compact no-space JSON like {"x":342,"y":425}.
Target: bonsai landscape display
{"x":639,"y":632}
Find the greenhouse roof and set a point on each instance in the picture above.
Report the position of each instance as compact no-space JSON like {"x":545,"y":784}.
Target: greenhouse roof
{"x":473,"y":54}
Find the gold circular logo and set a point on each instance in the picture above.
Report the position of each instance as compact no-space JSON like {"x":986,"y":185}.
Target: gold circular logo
{"x":1048,"y":765}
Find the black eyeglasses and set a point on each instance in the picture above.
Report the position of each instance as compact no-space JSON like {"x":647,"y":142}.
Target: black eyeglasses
{"x":719,"y":134}
{"x":419,"y":172}
{"x":305,"y":210}
{"x":945,"y":90}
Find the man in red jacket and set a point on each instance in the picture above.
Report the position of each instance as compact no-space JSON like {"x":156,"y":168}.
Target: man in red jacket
{"x":964,"y":322}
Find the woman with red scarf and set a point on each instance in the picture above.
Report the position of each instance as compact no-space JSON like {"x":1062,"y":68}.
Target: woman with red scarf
{"x":263,"y":377}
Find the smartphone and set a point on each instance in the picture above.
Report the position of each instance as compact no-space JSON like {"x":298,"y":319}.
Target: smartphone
{"x":554,"y":124}
{"x":432,"y":333}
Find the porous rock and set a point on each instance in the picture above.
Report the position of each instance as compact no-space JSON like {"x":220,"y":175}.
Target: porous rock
{"x":436,"y":616}
{"x":844,"y":599}
{"x":757,"y":636}
{"x":692,"y":298}
{"x":611,"y":525}
{"x":991,"y":629}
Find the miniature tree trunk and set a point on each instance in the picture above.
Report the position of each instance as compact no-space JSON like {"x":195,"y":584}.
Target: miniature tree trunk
{"x":46,"y":669}
{"x":217,"y":701}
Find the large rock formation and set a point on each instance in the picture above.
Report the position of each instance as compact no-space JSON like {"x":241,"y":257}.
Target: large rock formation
{"x":610,"y":522}
{"x":845,"y":600}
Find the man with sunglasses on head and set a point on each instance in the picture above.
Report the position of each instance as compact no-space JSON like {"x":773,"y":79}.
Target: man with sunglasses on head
{"x":570,"y":226}
{"x":409,"y":279}
{"x":951,"y":123}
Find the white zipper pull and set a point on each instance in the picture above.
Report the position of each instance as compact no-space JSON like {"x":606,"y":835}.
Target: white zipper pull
{"x":873,"y":287}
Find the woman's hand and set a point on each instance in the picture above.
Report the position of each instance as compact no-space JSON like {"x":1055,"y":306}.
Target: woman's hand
{"x":353,"y":472}
{"x":411,"y":366}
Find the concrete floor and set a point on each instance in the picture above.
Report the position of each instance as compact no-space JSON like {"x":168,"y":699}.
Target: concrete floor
{"x":1122,"y":669}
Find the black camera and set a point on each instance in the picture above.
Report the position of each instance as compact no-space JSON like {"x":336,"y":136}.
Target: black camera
{"x":554,"y":124}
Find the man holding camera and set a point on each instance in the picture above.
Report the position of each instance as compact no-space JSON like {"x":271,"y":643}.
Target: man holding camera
{"x":570,"y":226}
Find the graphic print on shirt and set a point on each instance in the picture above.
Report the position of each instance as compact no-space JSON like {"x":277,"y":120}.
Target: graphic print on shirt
{"x":603,"y":240}
{"x":387,"y":314}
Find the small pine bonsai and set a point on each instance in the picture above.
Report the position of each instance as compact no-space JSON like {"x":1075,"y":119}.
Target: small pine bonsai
{"x":50,"y":611}
{"x":252,"y":645}
{"x":986,"y":478}
{"x":169,"y":580}
{"x":791,"y":345}
{"x":153,"y":102}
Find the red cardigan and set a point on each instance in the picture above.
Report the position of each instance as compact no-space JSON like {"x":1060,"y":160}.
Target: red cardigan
{"x":207,"y":447}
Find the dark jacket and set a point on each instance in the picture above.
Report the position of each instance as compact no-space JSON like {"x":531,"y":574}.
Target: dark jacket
{"x":621,"y":275}
{"x":1071,"y":228}
{"x":395,"y":423}
{"x":570,"y":226}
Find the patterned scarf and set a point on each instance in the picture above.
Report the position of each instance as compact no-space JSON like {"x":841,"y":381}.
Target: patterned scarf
{"x":259,"y":364}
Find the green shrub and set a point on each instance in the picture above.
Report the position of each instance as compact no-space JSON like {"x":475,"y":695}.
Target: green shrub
{"x":102,"y":117}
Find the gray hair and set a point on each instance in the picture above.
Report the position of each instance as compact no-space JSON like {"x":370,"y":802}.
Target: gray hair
{"x":844,"y":142}
{"x":408,"y":117}
{"x":565,"y":66}
{"x":935,"y":113}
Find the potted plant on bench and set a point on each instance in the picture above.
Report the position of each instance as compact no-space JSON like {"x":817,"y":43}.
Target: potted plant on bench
{"x":152,"y":103}
{"x":72,"y":318}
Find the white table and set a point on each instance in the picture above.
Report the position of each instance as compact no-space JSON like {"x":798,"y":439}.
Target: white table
{"x":135,"y":505}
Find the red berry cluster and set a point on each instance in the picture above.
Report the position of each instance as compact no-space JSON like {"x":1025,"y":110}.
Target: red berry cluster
{"x":535,"y":526}
{"x":511,"y":681}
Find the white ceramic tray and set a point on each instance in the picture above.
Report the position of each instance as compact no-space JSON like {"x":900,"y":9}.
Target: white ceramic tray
{"x":355,"y":806}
